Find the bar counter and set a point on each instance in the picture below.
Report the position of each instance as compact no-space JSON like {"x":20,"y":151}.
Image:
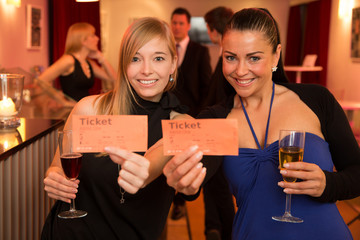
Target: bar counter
{"x":25,"y":154}
{"x":30,"y":130}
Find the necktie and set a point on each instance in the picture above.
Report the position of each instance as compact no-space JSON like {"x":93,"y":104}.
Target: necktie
{"x":178,"y":55}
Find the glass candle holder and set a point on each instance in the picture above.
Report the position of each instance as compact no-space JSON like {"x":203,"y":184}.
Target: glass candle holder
{"x":11,"y":94}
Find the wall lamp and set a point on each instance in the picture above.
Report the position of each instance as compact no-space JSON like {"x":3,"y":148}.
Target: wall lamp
{"x":345,"y":9}
{"x":16,"y":3}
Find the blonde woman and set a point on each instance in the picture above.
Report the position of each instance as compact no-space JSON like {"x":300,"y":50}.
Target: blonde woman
{"x":81,"y":62}
{"x":147,"y":70}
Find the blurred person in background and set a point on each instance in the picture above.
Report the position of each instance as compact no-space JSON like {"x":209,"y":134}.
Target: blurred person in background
{"x":218,"y":200}
{"x":194,"y":72}
{"x":80,"y":64}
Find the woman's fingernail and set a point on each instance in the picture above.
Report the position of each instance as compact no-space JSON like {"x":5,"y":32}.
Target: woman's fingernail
{"x":193,"y":148}
{"x":283,"y":172}
{"x":199,"y":154}
{"x":286,"y":165}
{"x":199,"y":165}
{"x":280,"y":184}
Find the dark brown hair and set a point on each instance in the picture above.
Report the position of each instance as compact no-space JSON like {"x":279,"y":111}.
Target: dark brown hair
{"x":182,"y":11}
{"x":261,"y":20}
{"x":217,"y":18}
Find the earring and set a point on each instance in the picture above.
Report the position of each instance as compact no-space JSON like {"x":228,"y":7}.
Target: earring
{"x":273,"y":69}
{"x":171,"y":79}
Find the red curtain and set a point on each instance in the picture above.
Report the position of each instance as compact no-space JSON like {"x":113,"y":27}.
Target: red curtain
{"x":64,"y":13}
{"x":312,"y":38}
{"x":293,"y":41}
{"x":324,"y":32}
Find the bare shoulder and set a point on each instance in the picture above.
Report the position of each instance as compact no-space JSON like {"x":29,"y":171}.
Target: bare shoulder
{"x":67,"y":59}
{"x":65,"y":64}
{"x":179,"y":116}
{"x":279,"y":89}
{"x":285,"y":93}
{"x":289,"y":111}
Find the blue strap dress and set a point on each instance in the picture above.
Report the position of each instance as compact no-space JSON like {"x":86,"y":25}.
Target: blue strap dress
{"x":253,"y":176}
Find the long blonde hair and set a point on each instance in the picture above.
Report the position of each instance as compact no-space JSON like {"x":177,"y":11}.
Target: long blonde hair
{"x":119,"y":101}
{"x":77,"y":33}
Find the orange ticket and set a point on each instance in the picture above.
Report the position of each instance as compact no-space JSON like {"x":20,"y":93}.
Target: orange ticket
{"x":213,"y":136}
{"x":94,"y":133}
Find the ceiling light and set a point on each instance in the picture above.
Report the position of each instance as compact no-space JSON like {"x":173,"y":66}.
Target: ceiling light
{"x":16,"y":3}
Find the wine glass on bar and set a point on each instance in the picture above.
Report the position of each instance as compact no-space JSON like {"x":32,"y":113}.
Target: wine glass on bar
{"x":291,"y":149}
{"x":71,"y":164}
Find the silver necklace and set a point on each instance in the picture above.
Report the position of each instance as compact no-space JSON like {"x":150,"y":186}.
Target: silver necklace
{"x":87,"y":69}
{"x":122,"y":191}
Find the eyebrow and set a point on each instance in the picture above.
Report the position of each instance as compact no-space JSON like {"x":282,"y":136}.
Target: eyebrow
{"x":228,"y":52}
{"x":249,"y":54}
{"x":154,"y":53}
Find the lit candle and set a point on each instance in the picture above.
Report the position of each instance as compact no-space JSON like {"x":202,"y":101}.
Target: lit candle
{"x":7,"y":107}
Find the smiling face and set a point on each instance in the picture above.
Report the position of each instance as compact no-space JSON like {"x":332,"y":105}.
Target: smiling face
{"x":247,"y":61}
{"x":150,"y":69}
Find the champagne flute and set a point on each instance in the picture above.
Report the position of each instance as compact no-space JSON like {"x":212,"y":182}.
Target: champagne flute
{"x":71,"y":164}
{"x":291,"y":149}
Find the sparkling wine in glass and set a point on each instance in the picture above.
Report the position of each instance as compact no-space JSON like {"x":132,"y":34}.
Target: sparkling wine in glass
{"x":71,"y":164}
{"x":291,"y":149}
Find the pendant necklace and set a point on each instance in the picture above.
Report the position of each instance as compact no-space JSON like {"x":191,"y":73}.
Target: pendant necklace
{"x":87,"y":69}
{"x":122,"y":191}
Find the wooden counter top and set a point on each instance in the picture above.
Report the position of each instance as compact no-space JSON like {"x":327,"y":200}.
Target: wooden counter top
{"x":12,"y":141}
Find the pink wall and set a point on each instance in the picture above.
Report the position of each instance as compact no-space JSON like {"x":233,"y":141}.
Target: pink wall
{"x":343,"y":72}
{"x":13,"y":49}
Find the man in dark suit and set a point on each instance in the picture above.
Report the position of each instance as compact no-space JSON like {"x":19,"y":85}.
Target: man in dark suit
{"x":194,"y":69}
{"x":218,"y":200}
{"x":219,"y":88}
{"x":194,"y":72}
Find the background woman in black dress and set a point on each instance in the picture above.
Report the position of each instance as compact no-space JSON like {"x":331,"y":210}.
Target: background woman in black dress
{"x":81,"y":62}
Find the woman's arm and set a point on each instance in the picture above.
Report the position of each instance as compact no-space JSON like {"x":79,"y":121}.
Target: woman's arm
{"x":63,"y":66}
{"x":344,"y":183}
{"x":106,"y":71}
{"x":326,"y":186}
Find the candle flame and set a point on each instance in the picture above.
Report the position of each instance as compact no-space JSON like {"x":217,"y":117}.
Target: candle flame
{"x":7,"y":107}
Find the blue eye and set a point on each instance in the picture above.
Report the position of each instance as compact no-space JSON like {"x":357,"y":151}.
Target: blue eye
{"x":135,"y":59}
{"x":254,"y":59}
{"x":159,"y":58}
{"x":230,"y":58}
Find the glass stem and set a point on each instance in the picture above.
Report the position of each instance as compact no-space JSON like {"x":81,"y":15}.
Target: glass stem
{"x":288,"y":205}
{"x":72,"y":205}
